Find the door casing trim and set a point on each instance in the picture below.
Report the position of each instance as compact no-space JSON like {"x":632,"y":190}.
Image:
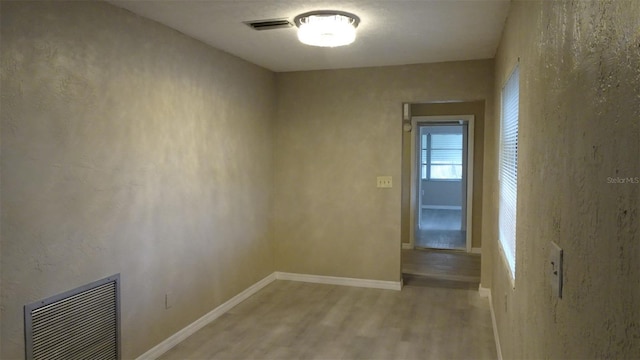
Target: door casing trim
{"x":453,"y":119}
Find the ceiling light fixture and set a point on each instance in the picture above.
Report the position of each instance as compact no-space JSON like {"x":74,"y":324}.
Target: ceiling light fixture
{"x":327,"y":28}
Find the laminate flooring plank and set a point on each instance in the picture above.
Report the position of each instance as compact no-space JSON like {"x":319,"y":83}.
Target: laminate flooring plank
{"x":443,"y":265}
{"x":440,"y":229}
{"x":293,"y":320}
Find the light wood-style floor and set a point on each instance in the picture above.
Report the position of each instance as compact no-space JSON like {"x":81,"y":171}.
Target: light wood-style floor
{"x":440,"y":229}
{"x":440,"y":219}
{"x":442,"y":265}
{"x":294,"y":320}
{"x":441,"y":239}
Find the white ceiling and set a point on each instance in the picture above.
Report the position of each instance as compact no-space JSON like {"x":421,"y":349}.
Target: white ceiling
{"x":391,"y":32}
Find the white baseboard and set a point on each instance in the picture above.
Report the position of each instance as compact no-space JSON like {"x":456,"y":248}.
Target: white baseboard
{"x":442,"y":207}
{"x":486,"y":292}
{"x":190,"y":329}
{"x":408,"y":246}
{"x":333,"y":280}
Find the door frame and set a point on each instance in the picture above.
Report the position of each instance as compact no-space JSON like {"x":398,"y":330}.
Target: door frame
{"x":444,"y":119}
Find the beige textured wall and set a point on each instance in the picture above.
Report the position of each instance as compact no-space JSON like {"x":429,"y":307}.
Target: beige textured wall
{"x":336,"y":132}
{"x":128,"y":147}
{"x":579,"y":127}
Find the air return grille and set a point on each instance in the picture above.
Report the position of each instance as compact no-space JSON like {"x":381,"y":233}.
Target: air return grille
{"x":83,"y":323}
{"x":269,"y":24}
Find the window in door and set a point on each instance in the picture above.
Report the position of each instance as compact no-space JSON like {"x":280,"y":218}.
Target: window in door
{"x":441,"y":156}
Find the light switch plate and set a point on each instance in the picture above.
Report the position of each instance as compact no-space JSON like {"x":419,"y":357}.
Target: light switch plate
{"x":168,"y":301}
{"x":555,"y":269}
{"x":385,"y":182}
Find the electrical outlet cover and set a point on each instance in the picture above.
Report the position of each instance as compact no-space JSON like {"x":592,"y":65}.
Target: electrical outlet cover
{"x":168,"y":301}
{"x":385,"y":182}
{"x":555,"y":269}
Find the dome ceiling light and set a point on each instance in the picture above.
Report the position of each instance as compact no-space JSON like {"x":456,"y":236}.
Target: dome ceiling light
{"x":327,"y":28}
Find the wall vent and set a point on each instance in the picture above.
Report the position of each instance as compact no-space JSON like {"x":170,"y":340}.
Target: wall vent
{"x":269,"y":24}
{"x":83,"y":323}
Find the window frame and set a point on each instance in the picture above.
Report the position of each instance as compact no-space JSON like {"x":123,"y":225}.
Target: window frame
{"x":426,"y":148}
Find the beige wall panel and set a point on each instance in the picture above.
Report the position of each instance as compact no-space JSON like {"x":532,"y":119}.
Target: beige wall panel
{"x":336,"y":132}
{"x":129,"y":148}
{"x":578,"y":181}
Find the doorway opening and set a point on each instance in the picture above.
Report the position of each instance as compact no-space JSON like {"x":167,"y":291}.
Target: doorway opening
{"x":442,"y":178}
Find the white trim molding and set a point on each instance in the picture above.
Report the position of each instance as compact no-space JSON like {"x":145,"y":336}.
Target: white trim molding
{"x":192,"y":328}
{"x":442,"y":207}
{"x":407,"y":246}
{"x":468,"y":204}
{"x":333,"y":280}
{"x":486,"y":292}
{"x":475,"y":250}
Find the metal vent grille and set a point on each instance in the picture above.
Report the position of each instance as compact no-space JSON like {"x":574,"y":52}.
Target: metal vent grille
{"x":82,"y":323}
{"x":269,"y":24}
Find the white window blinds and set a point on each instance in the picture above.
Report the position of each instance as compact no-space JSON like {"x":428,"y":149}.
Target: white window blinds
{"x":508,"y":177}
{"x":446,"y":156}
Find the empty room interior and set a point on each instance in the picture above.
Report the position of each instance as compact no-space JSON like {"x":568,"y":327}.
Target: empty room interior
{"x":220,"y":185}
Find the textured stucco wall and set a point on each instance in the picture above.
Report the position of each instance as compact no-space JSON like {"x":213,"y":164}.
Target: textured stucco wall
{"x":336,"y":131}
{"x":128,"y":147}
{"x":579,"y":132}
